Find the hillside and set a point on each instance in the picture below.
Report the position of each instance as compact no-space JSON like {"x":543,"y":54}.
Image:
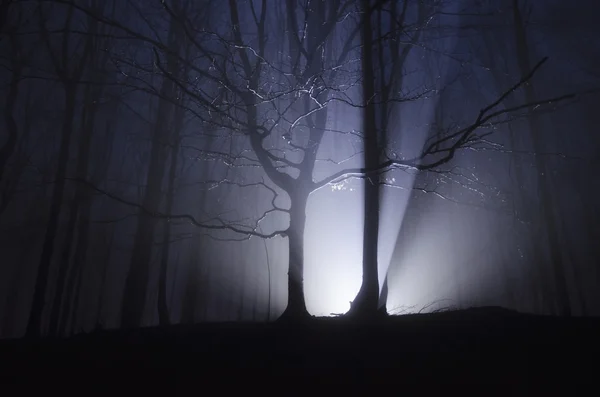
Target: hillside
{"x":519,"y":354}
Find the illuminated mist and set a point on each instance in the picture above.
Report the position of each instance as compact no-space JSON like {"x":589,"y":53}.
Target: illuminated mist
{"x":161,"y":172}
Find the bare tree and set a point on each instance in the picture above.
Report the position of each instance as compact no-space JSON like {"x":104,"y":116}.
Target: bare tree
{"x":383,"y":64}
{"x":17,"y":65}
{"x":69,"y":72}
{"x":136,"y":285}
{"x":277,"y":108}
{"x":545,"y":194}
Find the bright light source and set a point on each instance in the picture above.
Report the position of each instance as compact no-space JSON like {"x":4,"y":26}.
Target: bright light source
{"x":333,"y":251}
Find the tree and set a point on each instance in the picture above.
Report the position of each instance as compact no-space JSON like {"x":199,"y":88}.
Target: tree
{"x":545,"y":194}
{"x":544,"y":234}
{"x":136,"y":284}
{"x":69,"y":72}
{"x":380,"y":93}
{"x":274,"y":96}
{"x":17,"y":60}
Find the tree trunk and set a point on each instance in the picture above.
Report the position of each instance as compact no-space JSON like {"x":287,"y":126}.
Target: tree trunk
{"x":63,"y":271}
{"x":190,"y":294}
{"x":162,"y":306}
{"x":175,"y":141}
{"x":10,"y":310}
{"x":73,"y":309}
{"x":136,"y":283}
{"x":82,"y":205}
{"x":9,"y":146}
{"x":367,"y":300}
{"x":242,"y":292}
{"x":100,"y":303}
{"x":296,"y":307}
{"x":268,"y":263}
{"x":83,"y":154}
{"x":546,"y":205}
{"x":34,"y":325}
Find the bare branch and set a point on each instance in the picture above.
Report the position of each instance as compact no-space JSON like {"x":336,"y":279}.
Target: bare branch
{"x":252,"y":232}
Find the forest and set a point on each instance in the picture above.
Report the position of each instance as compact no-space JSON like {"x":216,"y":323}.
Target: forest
{"x":178,"y":166}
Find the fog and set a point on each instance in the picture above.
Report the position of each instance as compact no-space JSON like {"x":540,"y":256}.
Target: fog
{"x":157,"y":159}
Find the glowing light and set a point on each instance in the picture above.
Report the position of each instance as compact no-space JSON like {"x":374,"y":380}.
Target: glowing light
{"x":333,"y":251}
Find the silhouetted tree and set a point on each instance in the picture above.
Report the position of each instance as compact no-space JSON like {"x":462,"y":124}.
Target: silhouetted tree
{"x":545,"y":195}
{"x":69,"y":69}
{"x":383,"y":63}
{"x":17,"y":58}
{"x":136,"y":285}
{"x":273,"y":97}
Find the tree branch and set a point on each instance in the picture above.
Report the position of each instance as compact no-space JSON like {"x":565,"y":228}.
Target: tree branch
{"x":186,"y":217}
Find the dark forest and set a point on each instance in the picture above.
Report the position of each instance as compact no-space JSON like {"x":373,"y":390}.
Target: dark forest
{"x":355,"y":194}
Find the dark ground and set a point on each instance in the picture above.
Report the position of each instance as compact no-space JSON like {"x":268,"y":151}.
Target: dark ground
{"x":490,"y":351}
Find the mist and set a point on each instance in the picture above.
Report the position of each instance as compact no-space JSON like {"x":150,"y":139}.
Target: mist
{"x":202,"y":161}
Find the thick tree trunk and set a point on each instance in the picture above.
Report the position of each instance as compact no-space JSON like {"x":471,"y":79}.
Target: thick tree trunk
{"x":367,"y":301}
{"x":383,"y":296}
{"x":296,"y":307}
{"x":34,"y":325}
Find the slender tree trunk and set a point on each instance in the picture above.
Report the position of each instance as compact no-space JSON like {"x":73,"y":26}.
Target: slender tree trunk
{"x":537,"y":284}
{"x":178,"y":116}
{"x":100,"y":303}
{"x":242,"y":292}
{"x":162,"y":306}
{"x":190,"y":294}
{"x":574,"y":265}
{"x":546,"y":202}
{"x":255,"y":302}
{"x":163,"y":309}
{"x":63,"y":271}
{"x":174,"y":281}
{"x":4,"y":6}
{"x":136,"y":283}
{"x":85,"y":138}
{"x":81,"y":209}
{"x":10,"y":310}
{"x":9,"y":146}
{"x":74,"y":307}
{"x":34,"y":325}
{"x":268,"y":263}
